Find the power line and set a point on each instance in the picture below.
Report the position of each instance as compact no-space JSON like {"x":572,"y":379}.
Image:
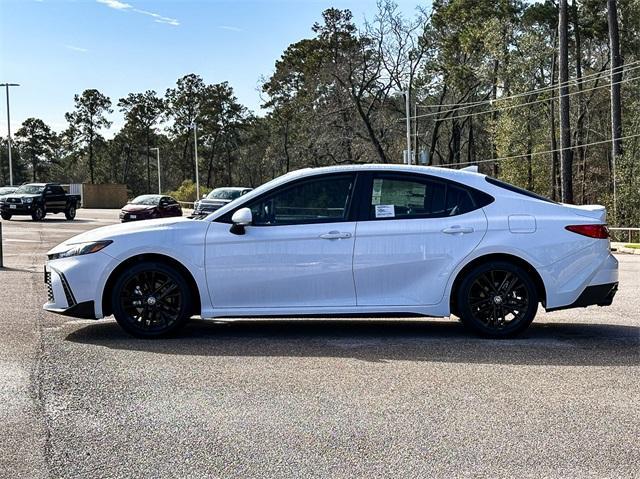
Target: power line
{"x":538,"y":153}
{"x":510,"y":107}
{"x":462,"y":106}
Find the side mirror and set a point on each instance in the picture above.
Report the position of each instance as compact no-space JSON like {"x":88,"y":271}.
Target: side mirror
{"x":204,"y":196}
{"x":240,"y":219}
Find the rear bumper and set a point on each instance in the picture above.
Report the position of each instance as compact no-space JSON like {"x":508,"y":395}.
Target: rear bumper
{"x":600,"y":294}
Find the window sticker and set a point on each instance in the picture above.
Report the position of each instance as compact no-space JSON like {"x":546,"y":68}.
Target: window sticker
{"x":377,"y":191}
{"x":385,"y":211}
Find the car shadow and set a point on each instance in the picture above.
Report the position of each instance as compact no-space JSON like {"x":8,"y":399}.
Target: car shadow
{"x":558,"y":344}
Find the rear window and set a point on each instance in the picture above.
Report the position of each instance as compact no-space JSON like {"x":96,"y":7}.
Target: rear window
{"x":516,"y":189}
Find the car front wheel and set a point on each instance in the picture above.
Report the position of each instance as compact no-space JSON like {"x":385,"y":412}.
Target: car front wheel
{"x":5,"y":216}
{"x":70,"y":213}
{"x":151,"y":300}
{"x":38,"y":214}
{"x":497,"y":299}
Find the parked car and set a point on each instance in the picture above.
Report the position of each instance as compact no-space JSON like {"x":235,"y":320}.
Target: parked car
{"x":39,"y":199}
{"x":350,"y":240}
{"x":6,"y":191}
{"x":217,"y":199}
{"x":148,"y":207}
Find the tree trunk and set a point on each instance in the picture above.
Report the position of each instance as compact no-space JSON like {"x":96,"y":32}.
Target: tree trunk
{"x":616,"y":77}
{"x":616,"y":102}
{"x":581,"y":100}
{"x":566,"y":155}
{"x":552,"y":132}
{"x":494,"y":117}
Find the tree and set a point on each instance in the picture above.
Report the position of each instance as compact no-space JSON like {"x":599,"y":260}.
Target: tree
{"x":141,"y":112}
{"x":184,"y":104}
{"x":566,"y":155}
{"x":616,"y":77}
{"x":37,"y":143}
{"x":88,"y":119}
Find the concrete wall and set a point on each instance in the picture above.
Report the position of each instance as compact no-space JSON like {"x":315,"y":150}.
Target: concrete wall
{"x":104,"y":196}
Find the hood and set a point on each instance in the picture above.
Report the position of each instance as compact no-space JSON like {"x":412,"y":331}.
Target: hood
{"x":21,"y":195}
{"x":130,"y":207}
{"x":214,"y":201}
{"x":121,"y":231}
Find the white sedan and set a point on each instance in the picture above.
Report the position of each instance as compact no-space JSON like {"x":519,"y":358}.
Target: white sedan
{"x":351,"y":240}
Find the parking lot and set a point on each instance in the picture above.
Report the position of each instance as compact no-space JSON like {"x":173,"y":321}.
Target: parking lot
{"x":310,"y":398}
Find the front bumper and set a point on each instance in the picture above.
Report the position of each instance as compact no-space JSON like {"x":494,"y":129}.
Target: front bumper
{"x":69,"y":298}
{"x":20,"y":208}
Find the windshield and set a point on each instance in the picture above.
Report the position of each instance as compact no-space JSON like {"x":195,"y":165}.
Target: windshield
{"x":224,"y":194}
{"x":30,"y":189}
{"x":148,"y":200}
{"x":6,"y":191}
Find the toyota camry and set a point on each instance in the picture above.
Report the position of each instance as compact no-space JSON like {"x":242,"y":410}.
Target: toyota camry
{"x":374,"y":240}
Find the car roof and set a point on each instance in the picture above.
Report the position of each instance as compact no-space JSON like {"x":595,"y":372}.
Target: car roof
{"x":463,"y":176}
{"x":232,"y":188}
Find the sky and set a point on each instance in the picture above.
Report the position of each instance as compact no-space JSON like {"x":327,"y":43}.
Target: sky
{"x":57,"y":48}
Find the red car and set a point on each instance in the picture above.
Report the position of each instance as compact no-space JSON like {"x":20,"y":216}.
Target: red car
{"x":147,"y":207}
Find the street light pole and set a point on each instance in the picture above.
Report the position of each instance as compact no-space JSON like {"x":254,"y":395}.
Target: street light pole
{"x":7,"y":85}
{"x":158,"y":158}
{"x":195,"y":151}
{"x":408,"y":115}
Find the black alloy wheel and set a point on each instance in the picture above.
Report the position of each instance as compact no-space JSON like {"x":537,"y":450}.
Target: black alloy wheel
{"x":497,"y":299}
{"x":151,"y":300}
{"x":38,"y":214}
{"x":70,"y":213}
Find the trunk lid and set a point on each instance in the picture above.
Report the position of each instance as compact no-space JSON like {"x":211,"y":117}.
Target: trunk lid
{"x":596,"y":212}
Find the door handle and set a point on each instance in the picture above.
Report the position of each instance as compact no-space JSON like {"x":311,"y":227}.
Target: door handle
{"x":454,"y":230}
{"x":335,"y":235}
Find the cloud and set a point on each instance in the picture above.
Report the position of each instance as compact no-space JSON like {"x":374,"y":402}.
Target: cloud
{"x":126,"y":7}
{"x":115,"y":4}
{"x":230,"y":28}
{"x":76,"y":49}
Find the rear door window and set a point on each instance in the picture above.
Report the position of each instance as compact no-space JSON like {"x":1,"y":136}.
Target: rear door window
{"x":418,"y":197}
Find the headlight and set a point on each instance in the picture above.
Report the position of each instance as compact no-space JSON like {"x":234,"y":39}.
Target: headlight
{"x":28,"y":200}
{"x":82,"y":248}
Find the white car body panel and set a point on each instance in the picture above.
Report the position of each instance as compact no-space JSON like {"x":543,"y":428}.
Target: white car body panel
{"x":281,"y":266}
{"x":392,"y":266}
{"x":408,"y":262}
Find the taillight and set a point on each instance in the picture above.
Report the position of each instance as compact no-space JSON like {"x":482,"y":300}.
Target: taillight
{"x":592,"y":231}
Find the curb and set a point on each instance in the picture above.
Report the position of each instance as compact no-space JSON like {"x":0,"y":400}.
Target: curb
{"x":620,"y":248}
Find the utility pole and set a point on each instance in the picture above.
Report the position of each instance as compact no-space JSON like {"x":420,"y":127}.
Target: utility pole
{"x":566,"y":154}
{"x":195,"y":151}
{"x":407,"y":105}
{"x":7,"y":85}
{"x":158,"y":158}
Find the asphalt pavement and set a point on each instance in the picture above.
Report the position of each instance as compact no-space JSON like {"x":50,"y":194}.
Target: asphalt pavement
{"x":310,"y":398}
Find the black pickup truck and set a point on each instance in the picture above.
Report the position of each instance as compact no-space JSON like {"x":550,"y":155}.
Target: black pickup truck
{"x":38,"y":199}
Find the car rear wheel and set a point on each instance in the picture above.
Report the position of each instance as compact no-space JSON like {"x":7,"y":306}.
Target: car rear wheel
{"x":70,"y":213}
{"x":151,"y":300}
{"x":38,"y":214}
{"x":5,"y":216}
{"x":497,"y":299}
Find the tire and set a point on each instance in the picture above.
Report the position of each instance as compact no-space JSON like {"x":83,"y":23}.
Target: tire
{"x":497,"y":300}
{"x":5,"y":216}
{"x":151,"y":300}
{"x":70,"y":213}
{"x":38,"y":214}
